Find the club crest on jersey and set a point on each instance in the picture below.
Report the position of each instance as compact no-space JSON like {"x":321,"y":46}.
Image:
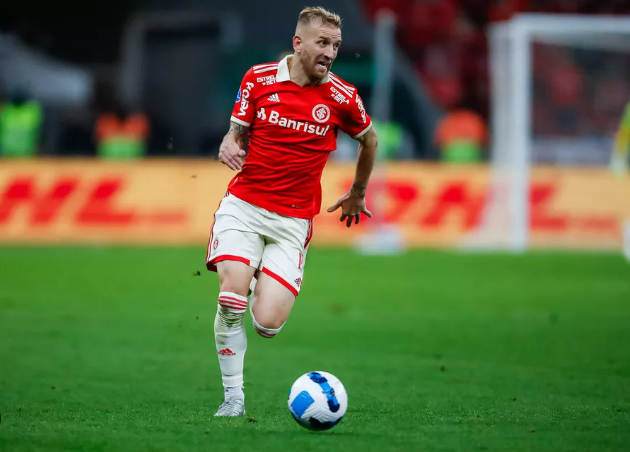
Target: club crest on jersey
{"x":321,"y":113}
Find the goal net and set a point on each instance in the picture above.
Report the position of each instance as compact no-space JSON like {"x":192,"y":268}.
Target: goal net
{"x":559,"y":86}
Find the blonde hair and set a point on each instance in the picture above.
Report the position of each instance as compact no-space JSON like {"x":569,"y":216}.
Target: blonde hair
{"x":316,"y":14}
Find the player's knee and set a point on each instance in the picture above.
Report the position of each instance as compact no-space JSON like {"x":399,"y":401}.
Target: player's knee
{"x":234,"y":278}
{"x":235,"y":285}
{"x":272,"y":324}
{"x":267,"y":327}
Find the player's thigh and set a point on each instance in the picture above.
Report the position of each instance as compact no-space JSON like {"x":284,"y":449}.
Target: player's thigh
{"x":284,"y":255}
{"x":281,"y":270}
{"x":272,"y":302}
{"x":236,"y":245}
{"x":235,"y":256}
{"x":235,"y":276}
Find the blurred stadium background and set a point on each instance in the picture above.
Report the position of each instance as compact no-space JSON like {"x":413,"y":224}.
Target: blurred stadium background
{"x":499,"y":123}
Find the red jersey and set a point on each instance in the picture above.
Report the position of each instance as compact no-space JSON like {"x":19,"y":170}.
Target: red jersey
{"x":292,"y":131}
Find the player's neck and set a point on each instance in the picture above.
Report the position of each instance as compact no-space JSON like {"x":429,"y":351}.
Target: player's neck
{"x":298,"y":75}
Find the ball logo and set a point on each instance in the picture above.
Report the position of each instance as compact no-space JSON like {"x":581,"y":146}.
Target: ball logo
{"x":321,"y":113}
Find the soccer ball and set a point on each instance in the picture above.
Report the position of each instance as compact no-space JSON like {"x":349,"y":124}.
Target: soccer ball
{"x":318,"y":401}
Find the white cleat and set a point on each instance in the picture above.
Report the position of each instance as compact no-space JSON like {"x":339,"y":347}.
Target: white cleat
{"x":232,"y":407}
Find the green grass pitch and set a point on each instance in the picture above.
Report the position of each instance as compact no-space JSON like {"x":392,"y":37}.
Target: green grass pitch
{"x":112,"y":349}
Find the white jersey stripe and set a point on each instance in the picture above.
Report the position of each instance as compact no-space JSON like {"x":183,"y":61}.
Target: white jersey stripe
{"x":341,"y":88}
{"x":336,"y":79}
{"x":267,"y":69}
{"x":260,"y":66}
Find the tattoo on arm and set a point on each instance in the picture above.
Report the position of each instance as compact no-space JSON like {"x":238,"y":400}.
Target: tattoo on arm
{"x":237,"y":128}
{"x":360,"y":191}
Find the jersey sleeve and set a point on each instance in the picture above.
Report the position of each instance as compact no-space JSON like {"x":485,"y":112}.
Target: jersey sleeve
{"x":356,"y":121}
{"x":244,"y":106}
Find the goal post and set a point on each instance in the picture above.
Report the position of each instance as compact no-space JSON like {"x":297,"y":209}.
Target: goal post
{"x":559,"y":84}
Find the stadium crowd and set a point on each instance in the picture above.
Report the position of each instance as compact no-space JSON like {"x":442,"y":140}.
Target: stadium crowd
{"x":446,"y":40}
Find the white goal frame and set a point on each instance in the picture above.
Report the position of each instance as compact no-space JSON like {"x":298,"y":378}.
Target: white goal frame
{"x":506,"y":227}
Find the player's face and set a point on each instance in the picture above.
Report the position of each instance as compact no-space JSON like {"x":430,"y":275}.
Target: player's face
{"x":320,"y":45}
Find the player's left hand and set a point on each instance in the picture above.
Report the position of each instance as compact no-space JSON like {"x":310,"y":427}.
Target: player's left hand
{"x":352,"y":206}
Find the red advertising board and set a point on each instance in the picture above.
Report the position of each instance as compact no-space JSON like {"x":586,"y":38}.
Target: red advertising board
{"x":173,"y":201}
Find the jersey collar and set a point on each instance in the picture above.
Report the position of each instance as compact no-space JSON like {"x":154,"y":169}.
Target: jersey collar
{"x":283,"y":71}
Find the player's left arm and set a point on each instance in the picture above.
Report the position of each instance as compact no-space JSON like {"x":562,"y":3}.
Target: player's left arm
{"x":353,"y":203}
{"x":358,"y":124}
{"x":368,"y":145}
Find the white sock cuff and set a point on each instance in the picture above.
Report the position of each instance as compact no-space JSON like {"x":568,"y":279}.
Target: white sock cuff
{"x":233,"y":382}
{"x":265,"y":332}
{"x":233,"y":301}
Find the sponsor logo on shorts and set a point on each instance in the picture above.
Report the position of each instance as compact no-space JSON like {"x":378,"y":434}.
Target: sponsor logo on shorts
{"x":321,"y":113}
{"x":298,"y":282}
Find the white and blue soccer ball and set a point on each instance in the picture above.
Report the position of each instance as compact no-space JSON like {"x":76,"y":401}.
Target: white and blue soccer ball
{"x":318,"y":401}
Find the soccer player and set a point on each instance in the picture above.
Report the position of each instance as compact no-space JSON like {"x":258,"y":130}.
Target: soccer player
{"x":292,"y":111}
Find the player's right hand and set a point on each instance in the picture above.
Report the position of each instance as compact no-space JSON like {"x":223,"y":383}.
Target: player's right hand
{"x":232,"y":155}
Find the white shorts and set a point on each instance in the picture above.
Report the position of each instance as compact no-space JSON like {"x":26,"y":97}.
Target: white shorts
{"x":272,"y":243}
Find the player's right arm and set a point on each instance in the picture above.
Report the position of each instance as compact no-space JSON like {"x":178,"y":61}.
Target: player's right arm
{"x":231,"y":151}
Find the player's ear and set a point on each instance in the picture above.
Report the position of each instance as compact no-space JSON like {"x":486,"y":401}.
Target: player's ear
{"x":297,"y":43}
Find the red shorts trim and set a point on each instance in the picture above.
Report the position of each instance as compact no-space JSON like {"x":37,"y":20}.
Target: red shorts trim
{"x":214,"y":220}
{"x":212,"y":265}
{"x":309,"y":234}
{"x":280,"y":280}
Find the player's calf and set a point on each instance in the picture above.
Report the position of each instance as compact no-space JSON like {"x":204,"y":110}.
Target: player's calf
{"x":230,"y":338}
{"x":229,"y":333}
{"x":231,"y":310}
